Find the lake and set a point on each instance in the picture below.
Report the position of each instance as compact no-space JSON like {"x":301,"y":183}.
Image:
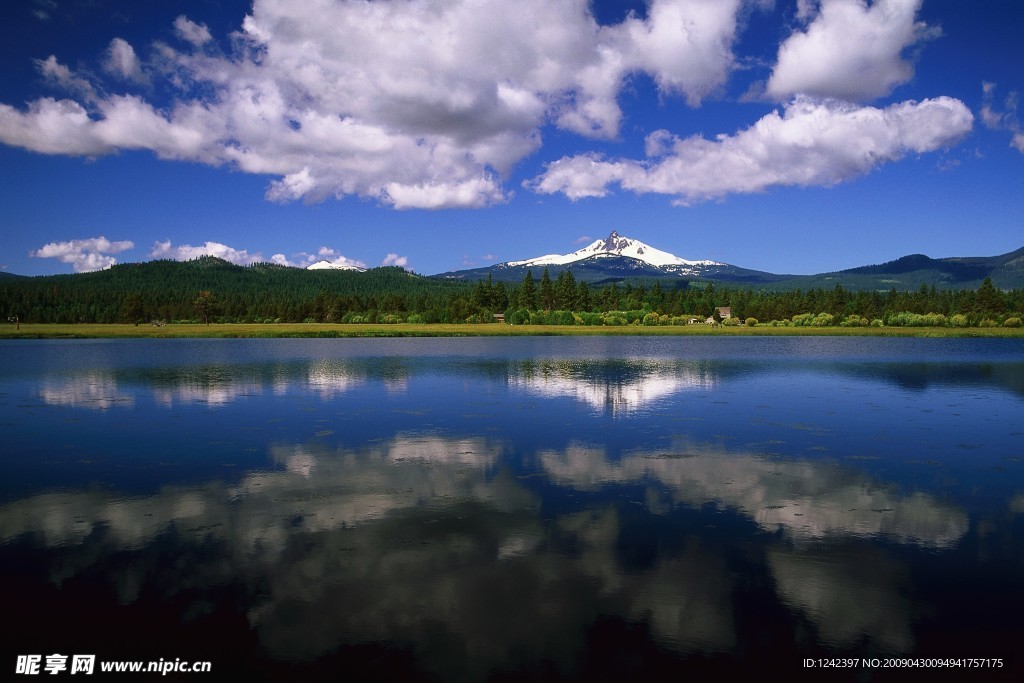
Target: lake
{"x":599,"y":508}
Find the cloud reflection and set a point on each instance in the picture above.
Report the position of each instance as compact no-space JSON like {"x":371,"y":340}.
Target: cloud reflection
{"x":425,"y":540}
{"x":806,"y":500}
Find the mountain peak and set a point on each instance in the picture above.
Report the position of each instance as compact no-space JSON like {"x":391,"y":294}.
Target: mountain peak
{"x":615,"y":245}
{"x":333,"y":265}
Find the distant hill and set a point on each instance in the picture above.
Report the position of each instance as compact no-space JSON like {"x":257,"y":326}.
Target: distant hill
{"x":910,"y":272}
{"x":618,"y":258}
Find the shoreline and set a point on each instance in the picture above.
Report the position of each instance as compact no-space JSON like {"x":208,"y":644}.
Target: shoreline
{"x":328,"y":330}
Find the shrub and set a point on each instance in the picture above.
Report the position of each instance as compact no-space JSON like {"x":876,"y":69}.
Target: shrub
{"x":988,"y":322}
{"x":1011,"y":322}
{"x":802,"y":320}
{"x":520,"y":316}
{"x":751,"y":322}
{"x":854,"y":320}
{"x":823,"y":320}
{"x":959,"y":320}
{"x":562,"y":318}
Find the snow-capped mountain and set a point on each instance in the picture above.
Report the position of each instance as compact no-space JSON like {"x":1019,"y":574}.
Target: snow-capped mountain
{"x":616,"y":245}
{"x":329,"y":265}
{"x":614,"y":258}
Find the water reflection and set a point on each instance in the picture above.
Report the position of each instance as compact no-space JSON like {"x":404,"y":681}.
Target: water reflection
{"x":428,"y":538}
{"x":850,"y":593}
{"x":805,"y":500}
{"x":616,"y":387}
{"x":483,"y":517}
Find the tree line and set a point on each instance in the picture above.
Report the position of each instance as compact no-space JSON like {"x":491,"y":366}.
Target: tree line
{"x":209,"y":290}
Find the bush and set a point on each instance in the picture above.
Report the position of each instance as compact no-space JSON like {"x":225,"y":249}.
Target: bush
{"x":562,"y":318}
{"x":614,"y":318}
{"x":802,"y":320}
{"x":854,"y":320}
{"x":959,"y":320}
{"x":1011,"y":322}
{"x":751,"y":322}
{"x":823,"y":320}
{"x":520,"y":316}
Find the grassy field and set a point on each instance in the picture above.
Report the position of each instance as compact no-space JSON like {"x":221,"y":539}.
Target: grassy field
{"x":280,"y":330}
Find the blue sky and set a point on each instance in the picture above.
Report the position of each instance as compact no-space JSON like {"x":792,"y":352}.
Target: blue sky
{"x":793,"y":136}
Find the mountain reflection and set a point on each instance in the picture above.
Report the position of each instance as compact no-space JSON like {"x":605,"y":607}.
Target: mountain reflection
{"x":614,"y":387}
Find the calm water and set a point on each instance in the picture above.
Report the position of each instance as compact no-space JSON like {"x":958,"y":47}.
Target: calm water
{"x":505,"y":509}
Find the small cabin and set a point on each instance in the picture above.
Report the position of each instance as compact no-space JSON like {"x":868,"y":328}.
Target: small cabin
{"x":724,"y":312}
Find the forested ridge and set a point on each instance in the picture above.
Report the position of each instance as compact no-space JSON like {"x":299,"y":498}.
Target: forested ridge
{"x":212,"y":290}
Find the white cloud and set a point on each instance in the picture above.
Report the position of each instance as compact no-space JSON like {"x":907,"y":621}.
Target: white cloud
{"x":123,"y":62}
{"x":187,"y":252}
{"x":811,"y":143}
{"x":416,"y":105}
{"x":395,"y":260}
{"x":191,"y":32}
{"x":850,"y":50}
{"x":1004,"y":118}
{"x":60,"y":76}
{"x":84,"y":255}
{"x":44,"y":9}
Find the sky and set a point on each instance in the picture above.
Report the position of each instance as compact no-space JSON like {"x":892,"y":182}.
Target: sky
{"x":790,"y":136}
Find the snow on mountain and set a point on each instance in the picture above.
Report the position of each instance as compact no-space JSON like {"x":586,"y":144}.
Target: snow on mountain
{"x":329,"y":265}
{"x":615,"y":245}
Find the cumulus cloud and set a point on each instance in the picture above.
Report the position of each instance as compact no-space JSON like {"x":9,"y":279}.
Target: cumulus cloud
{"x":191,"y":32}
{"x":812,"y":142}
{"x":850,"y":50}
{"x":429,"y":105}
{"x":416,"y":105}
{"x":123,"y":62}
{"x":61,"y":76}
{"x":395,"y":260}
{"x":187,"y":252}
{"x":84,"y":255}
